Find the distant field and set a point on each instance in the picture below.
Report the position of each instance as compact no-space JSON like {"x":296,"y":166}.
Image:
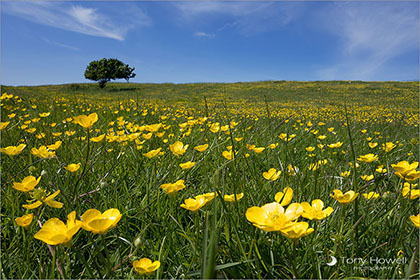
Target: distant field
{"x":145,"y":149}
{"x":368,"y":100}
{"x":331,"y":92}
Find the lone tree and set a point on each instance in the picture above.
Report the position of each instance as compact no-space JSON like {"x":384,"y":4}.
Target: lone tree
{"x":105,"y":70}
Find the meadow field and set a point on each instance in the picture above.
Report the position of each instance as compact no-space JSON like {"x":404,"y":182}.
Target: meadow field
{"x":270,"y":179}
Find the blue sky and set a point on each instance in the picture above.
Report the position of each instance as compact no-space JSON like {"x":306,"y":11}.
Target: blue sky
{"x":207,"y":41}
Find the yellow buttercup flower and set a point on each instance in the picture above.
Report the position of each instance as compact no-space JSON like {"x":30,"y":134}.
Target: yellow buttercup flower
{"x":272,"y":174}
{"x":367,"y":177}
{"x":410,"y":193}
{"x":316,"y":211}
{"x":381,"y":169}
{"x":131,"y":137}
{"x":86,"y":121}
{"x":40,"y":135}
{"x":206,"y":196}
{"x":147,"y":136}
{"x":412,"y":176}
{"x":415,"y":220}
{"x":351,"y":165}
{"x":259,"y":150}
{"x":194,"y":204}
{"x":173,"y":188}
{"x":406,"y":171}
{"x":178,"y":148}
{"x":215,"y":127}
{"x":72,"y":167}
{"x":3,"y":125}
{"x":297,"y":230}
{"x":282,"y":136}
{"x":371,"y":195}
{"x":228,"y":155}
{"x":152,"y":153}
{"x":13,"y":150}
{"x":97,"y":138}
{"x":187,"y":165}
{"x":44,"y":115}
{"x":145,"y":266}
{"x":291,"y":136}
{"x":310,"y":149}
{"x":25,"y":221}
{"x":314,"y":166}
{"x":41,"y":196}
{"x":368,"y":158}
{"x":153,"y":127}
{"x":273,"y":217}
{"x":372,"y":145}
{"x":409,"y":185}
{"x":250,"y":147}
{"x":94,"y":221}
{"x":388,"y":146}
{"x":344,"y":198}
{"x":201,"y":148}
{"x":345,"y":173}
{"x":335,"y":145}
{"x":42,"y":152}
{"x":284,"y":197}
{"x":404,"y":167}
{"x":27,"y":184}
{"x":233,"y":197}
{"x":55,"y":232}
{"x":292,"y":170}
{"x":54,"y":146}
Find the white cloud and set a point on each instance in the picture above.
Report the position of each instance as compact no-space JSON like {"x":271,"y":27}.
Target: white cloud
{"x":371,"y":36}
{"x":190,"y":9}
{"x":76,"y":18}
{"x":204,"y":34}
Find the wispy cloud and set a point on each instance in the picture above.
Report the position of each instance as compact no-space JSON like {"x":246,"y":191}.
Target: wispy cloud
{"x":204,"y":34}
{"x":249,"y":18}
{"x":76,"y":18}
{"x":371,"y":37}
{"x":61,"y":45}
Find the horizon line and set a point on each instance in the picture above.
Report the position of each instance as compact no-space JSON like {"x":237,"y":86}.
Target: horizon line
{"x":182,"y":83}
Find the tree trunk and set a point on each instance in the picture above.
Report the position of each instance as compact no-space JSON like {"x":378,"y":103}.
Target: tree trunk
{"x":102,"y":83}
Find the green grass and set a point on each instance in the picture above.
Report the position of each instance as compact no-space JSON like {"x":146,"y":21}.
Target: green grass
{"x":217,"y":241}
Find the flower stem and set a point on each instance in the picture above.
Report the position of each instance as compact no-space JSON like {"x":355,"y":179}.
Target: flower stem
{"x":51,"y":276}
{"x":84,"y":168}
{"x":295,"y":276}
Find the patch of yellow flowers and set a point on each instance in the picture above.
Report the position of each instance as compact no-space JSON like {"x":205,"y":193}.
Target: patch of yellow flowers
{"x":273,"y":217}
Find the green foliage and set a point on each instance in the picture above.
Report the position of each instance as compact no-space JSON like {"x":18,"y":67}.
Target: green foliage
{"x":105,"y":70}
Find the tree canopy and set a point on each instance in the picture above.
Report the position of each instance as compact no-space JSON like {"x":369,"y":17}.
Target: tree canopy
{"x":105,"y":70}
